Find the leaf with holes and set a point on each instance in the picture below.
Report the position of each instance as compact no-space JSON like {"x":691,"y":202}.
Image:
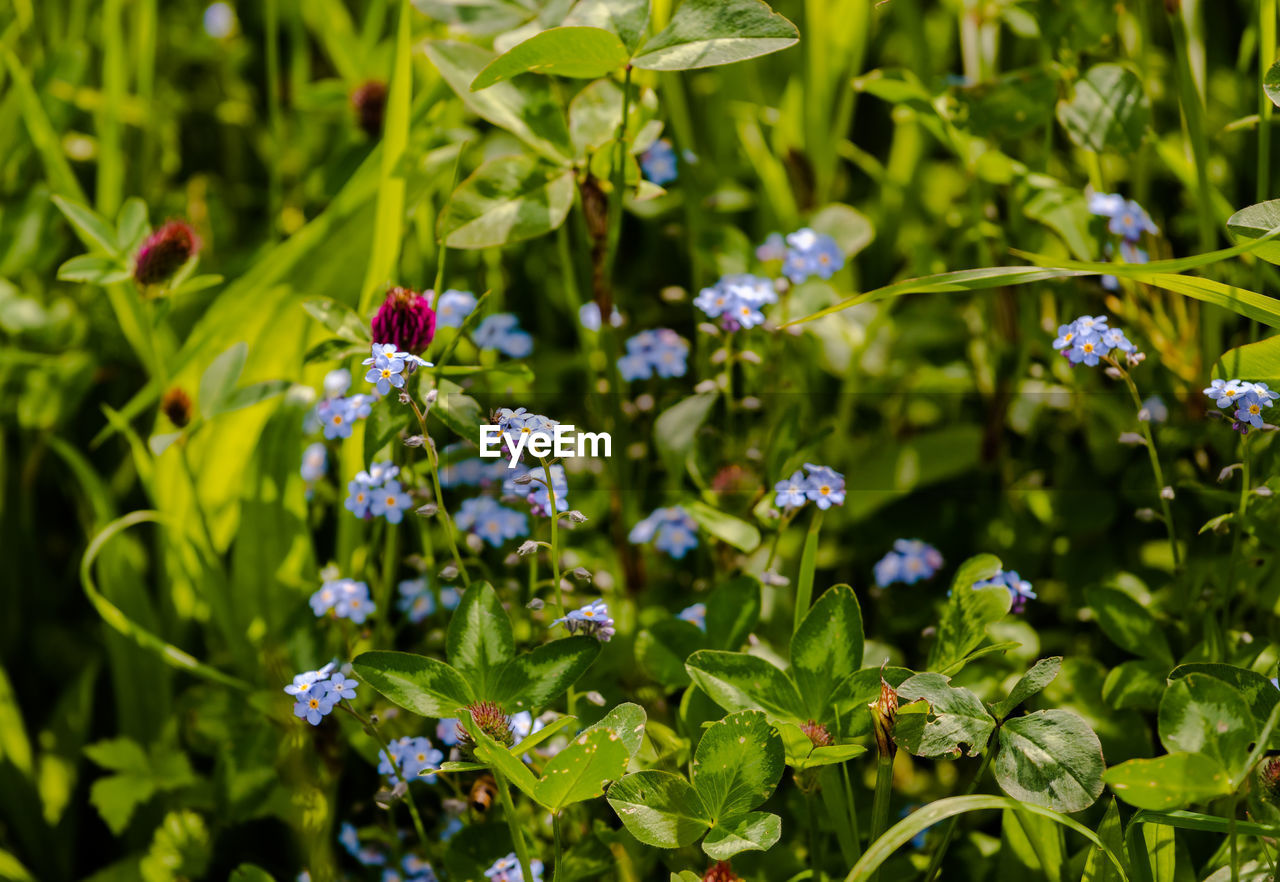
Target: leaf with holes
{"x":945,"y":719}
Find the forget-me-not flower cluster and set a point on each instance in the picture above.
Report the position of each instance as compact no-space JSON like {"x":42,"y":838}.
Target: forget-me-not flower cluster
{"x":452,"y":308}
{"x":490,"y":521}
{"x":377,"y":493}
{"x":345,"y":599}
{"x":822,"y":486}
{"x":418,"y":602}
{"x":910,"y":561}
{"x":1247,"y":402}
{"x":315,"y":460}
{"x":659,"y":163}
{"x":671,"y":529}
{"x":501,"y":331}
{"x":809,"y":254}
{"x":737,"y":300}
{"x":408,"y":759}
{"x":1089,"y":339}
{"x":367,"y":855}
{"x":317,"y":693}
{"x":389,"y":367}
{"x":507,"y":869}
{"x":660,"y":351}
{"x":535,"y":491}
{"x":592,"y":620}
{"x":338,"y":415}
{"x":1019,"y":588}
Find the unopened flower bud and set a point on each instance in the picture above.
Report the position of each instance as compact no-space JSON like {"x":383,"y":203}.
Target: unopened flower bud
{"x":719,"y":356}
{"x":884,"y":717}
{"x":1131,"y":438}
{"x":405,"y":398}
{"x":750,"y":356}
{"x":527,"y":548}
{"x":1145,"y":514}
{"x":774,"y":579}
{"x":1226,"y":472}
{"x":492,"y":720}
{"x":414,"y":441}
{"x":595,"y":698}
{"x":448,"y":573}
{"x":406,"y":320}
{"x":720,"y":872}
{"x":817,"y":734}
{"x":536,"y":604}
{"x":165,"y":252}
{"x":1135,"y":358}
{"x":1263,"y":491}
{"x":176,"y":405}
{"x":705,"y":386}
{"x":474,"y":543}
{"x":526,"y":478}
{"x":1166,"y":492}
{"x":577,"y":517}
{"x":431,"y":397}
{"x":582,"y":574}
{"x":1269,"y":779}
{"x":1113,"y":373}
{"x":427,"y":511}
{"x":708,"y":328}
{"x":370,"y":103}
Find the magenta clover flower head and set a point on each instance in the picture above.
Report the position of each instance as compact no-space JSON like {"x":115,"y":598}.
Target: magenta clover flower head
{"x":589,"y":316}
{"x":695,"y":615}
{"x":501,"y":331}
{"x":670,"y":529}
{"x":659,"y":163}
{"x":810,"y":253}
{"x":453,"y":306}
{"x":315,"y":460}
{"x":824,"y":486}
{"x":409,"y":758}
{"x":164,"y":252}
{"x":592,"y":620}
{"x":1019,"y":588}
{"x":660,"y":351}
{"x":910,"y":561}
{"x":490,"y":521}
{"x":405,"y":320}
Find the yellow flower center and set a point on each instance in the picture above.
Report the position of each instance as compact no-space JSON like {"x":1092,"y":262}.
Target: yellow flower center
{"x":314,"y":703}
{"x":386,"y":372}
{"x":824,"y":489}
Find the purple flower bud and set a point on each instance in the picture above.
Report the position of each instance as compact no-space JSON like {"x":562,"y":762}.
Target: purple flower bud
{"x":406,"y":320}
{"x":370,"y":103}
{"x":164,"y":253}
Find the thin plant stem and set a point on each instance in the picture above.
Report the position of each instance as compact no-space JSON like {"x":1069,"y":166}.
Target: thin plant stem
{"x":880,"y":804}
{"x":372,"y":728}
{"x":847,"y":786}
{"x":815,"y":839}
{"x":949,"y":831}
{"x":555,"y":534}
{"x":1241,"y":509}
{"x":1166,"y":510}
{"x":517,"y":835}
{"x":442,"y":514}
{"x":555,"y":832}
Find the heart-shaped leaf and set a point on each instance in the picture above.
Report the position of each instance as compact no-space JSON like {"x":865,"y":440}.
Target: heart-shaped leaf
{"x":827,"y":647}
{"x":1050,"y":758}
{"x":754,"y":831}
{"x":528,"y":107}
{"x":1258,"y":692}
{"x":578,"y":52}
{"x":535,"y":679}
{"x":1202,"y":714}
{"x":703,"y":33}
{"x":418,"y":683}
{"x":627,"y":720}
{"x":480,"y":642}
{"x":1168,"y":782}
{"x":659,"y":808}
{"x":507,"y":199}
{"x":737,"y":681}
{"x":626,"y":18}
{"x":583,"y":769}
{"x":737,"y":764}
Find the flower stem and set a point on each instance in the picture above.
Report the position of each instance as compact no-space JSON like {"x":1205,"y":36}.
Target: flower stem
{"x":555,"y":832}
{"x":880,"y":805}
{"x":517,"y":836}
{"x":442,"y":514}
{"x":815,"y":838}
{"x":847,"y":786}
{"x":1166,"y":511}
{"x":949,"y":831}
{"x":1240,"y":513}
{"x":372,"y":729}
{"x":555,"y":534}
